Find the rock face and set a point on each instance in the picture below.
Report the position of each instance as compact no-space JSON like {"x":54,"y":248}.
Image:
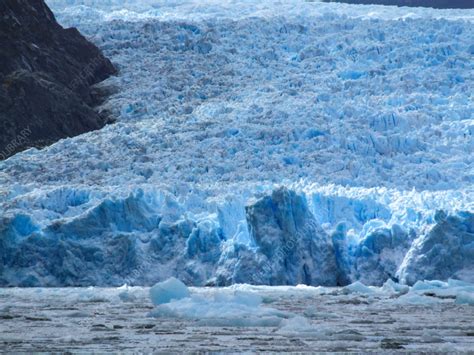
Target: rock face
{"x":437,"y":4}
{"x":46,"y":73}
{"x":447,"y":251}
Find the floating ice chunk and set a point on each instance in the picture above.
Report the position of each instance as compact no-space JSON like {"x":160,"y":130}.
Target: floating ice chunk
{"x":459,"y":283}
{"x":221,"y":308}
{"x":127,"y":296}
{"x":244,"y":298}
{"x":236,"y":321}
{"x":451,"y":289}
{"x":359,"y":287}
{"x":465,"y":298}
{"x":166,"y":291}
{"x":90,"y":295}
{"x":428,"y":285}
{"x":392,"y":287}
{"x":416,"y":299}
{"x":297,"y":325}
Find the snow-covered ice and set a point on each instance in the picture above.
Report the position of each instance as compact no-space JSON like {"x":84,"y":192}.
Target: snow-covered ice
{"x":363,"y":114}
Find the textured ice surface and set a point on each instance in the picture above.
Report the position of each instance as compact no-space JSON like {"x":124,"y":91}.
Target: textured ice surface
{"x":365,"y":113}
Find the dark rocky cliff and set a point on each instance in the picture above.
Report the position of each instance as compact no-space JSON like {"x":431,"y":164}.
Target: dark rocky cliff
{"x":46,"y":73}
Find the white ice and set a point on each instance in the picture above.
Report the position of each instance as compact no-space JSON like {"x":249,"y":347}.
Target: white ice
{"x":168,"y":290}
{"x":215,"y":308}
{"x":241,"y":305}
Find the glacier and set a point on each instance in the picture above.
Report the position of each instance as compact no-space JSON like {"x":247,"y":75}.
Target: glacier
{"x":290,"y":246}
{"x":148,"y":235}
{"x":446,"y":251}
{"x":270,"y":143}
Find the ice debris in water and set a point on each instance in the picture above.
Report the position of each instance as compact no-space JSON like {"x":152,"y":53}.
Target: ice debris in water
{"x":465,"y":298}
{"x":358,"y":287}
{"x":241,"y":305}
{"x":300,"y":325}
{"x":220,"y":307}
{"x":389,"y":287}
{"x":423,"y":292}
{"x":427,"y":292}
{"x":393,"y":287}
{"x":167,"y":291}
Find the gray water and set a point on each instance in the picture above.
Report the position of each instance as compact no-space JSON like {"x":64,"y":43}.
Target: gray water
{"x":98,"y":320}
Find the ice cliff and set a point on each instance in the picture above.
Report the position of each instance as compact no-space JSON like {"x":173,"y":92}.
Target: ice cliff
{"x":447,"y":250}
{"x":146,"y":237}
{"x":290,"y":247}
